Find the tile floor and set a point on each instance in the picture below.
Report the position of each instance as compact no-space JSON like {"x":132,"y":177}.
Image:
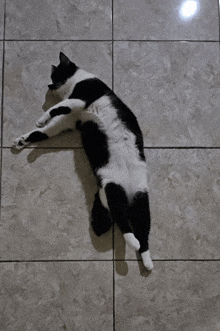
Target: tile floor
{"x":163,"y":61}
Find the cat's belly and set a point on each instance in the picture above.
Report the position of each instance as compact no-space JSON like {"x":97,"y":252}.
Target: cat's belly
{"x":130,"y":173}
{"x":124,"y":165}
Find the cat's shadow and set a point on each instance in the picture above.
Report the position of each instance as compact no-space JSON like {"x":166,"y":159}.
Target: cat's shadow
{"x":112,"y":240}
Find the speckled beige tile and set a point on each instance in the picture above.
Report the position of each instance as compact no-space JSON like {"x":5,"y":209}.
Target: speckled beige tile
{"x":173,"y":88}
{"x":58,"y":20}
{"x":184,"y":198}
{"x":166,"y":20}
{"x":2,"y":9}
{"x":47,"y":196}
{"x":27,"y":74}
{"x":175,"y":296}
{"x":56,"y":296}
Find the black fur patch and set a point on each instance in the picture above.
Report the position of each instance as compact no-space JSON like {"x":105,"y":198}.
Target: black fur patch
{"x":20,"y":143}
{"x":60,"y":75}
{"x":130,"y":121}
{"x":101,"y":220}
{"x":36,"y":136}
{"x":139,"y":214}
{"x":118,"y":206}
{"x":90,"y":90}
{"x":95,"y":143}
{"x":60,"y":111}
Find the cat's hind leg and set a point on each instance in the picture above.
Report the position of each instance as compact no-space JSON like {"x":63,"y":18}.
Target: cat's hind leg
{"x":101,"y":220}
{"x":139,"y":212}
{"x":118,"y":206}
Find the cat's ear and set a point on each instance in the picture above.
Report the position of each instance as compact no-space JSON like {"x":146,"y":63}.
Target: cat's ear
{"x":64,"y":59}
{"x":53,"y":68}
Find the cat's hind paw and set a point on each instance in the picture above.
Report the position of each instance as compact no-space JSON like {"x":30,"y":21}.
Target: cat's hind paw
{"x":20,"y":143}
{"x":132,"y":241}
{"x":147,"y":260}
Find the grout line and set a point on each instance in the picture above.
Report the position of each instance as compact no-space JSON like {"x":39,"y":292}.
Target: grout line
{"x":110,"y":40}
{"x":113,"y":78}
{"x":167,"y":40}
{"x":218,"y":20}
{"x":113,"y":45}
{"x":116,"y":260}
{"x":172,"y":260}
{"x":2,"y":100}
{"x":60,"y":40}
{"x":51,"y":261}
{"x":113,"y":289}
{"x":81,"y":148}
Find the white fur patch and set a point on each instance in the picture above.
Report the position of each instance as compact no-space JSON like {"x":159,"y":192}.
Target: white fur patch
{"x":147,"y":260}
{"x":103,"y":198}
{"x":60,"y":123}
{"x":124,"y":167}
{"x":132,"y":241}
{"x":82,"y":75}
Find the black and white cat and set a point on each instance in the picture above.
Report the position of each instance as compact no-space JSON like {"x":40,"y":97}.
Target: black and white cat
{"x":113,"y":143}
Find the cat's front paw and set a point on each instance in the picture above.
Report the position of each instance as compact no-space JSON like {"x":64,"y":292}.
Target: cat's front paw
{"x":20,"y":143}
{"x":43,"y":121}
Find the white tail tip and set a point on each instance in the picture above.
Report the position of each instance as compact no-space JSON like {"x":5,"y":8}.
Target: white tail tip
{"x":147,"y":260}
{"x":132,"y":241}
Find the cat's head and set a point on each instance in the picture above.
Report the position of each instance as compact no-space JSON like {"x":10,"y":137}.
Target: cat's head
{"x":62,"y":72}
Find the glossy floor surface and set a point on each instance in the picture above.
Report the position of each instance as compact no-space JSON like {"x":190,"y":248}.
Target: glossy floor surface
{"x":162,"y":59}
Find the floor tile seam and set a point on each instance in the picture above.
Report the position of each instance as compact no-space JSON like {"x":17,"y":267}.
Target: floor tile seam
{"x":110,"y":40}
{"x":113,"y":45}
{"x":170,"y":260}
{"x":218,"y":7}
{"x":58,"y":40}
{"x":151,"y":147}
{"x":169,"y":40}
{"x":114,"y":296}
{"x":2,"y":101}
{"x":53,"y":261}
{"x":104,"y":260}
{"x":113,"y":278}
